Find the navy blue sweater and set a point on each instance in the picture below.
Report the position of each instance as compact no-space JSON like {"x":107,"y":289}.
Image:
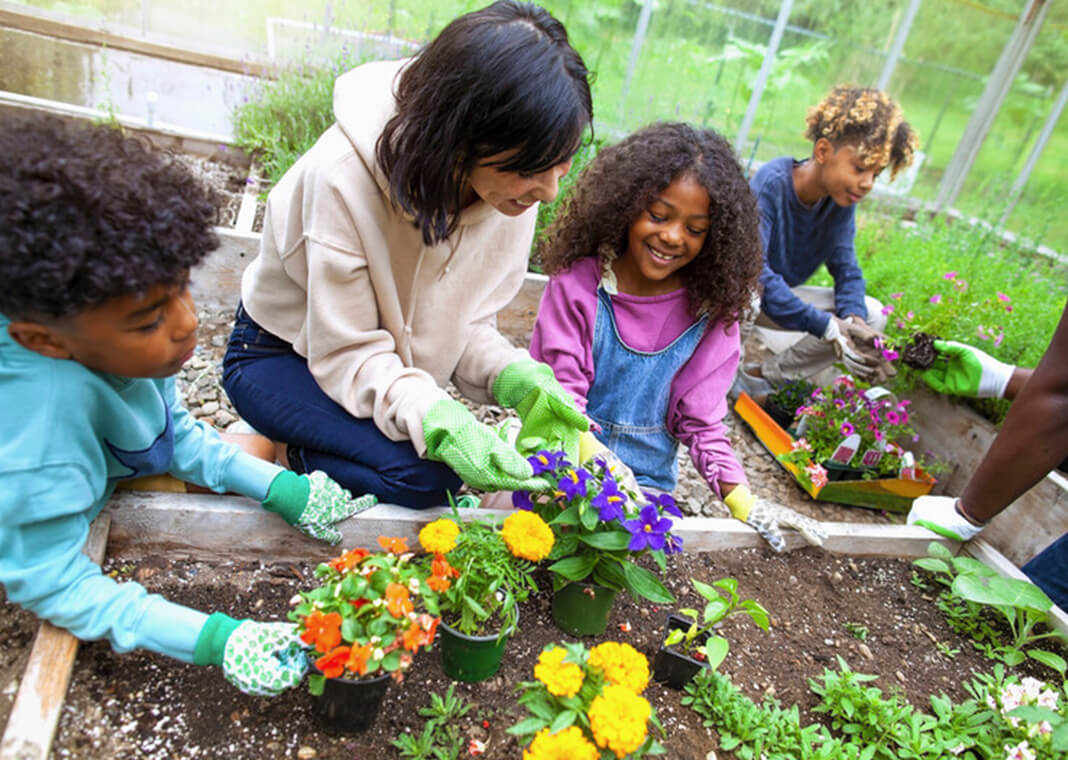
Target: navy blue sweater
{"x":797,"y":239}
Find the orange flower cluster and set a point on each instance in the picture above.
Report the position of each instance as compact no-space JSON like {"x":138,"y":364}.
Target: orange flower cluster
{"x":440,"y":573}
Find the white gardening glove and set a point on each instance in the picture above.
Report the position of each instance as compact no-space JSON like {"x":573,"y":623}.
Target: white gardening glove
{"x":765,"y":517}
{"x":854,"y":361}
{"x":939,"y":514}
{"x":963,"y":370}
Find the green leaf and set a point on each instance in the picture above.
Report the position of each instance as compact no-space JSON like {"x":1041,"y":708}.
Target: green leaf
{"x":569,"y":516}
{"x":715,"y":610}
{"x":1049,"y":659}
{"x":642,"y":583}
{"x":1002,"y":591}
{"x":939,"y":551}
{"x":674,"y":637}
{"x":563,"y":720}
{"x":607,"y":540}
{"x":589,"y":517}
{"x":316,"y":683}
{"x":708,"y":592}
{"x":1059,"y":738}
{"x":757,"y":613}
{"x":716,"y":649}
{"x":574,"y":568}
{"x":973,"y":566}
{"x":350,"y":628}
{"x":932,"y":565}
{"x":527,"y":726}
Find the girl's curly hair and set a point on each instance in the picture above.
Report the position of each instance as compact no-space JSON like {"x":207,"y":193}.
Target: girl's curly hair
{"x":88,"y":213}
{"x":867,"y":119}
{"x":620,"y":183}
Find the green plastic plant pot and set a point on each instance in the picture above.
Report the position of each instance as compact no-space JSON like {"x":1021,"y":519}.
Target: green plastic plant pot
{"x":582,"y":609}
{"x":350,"y":706}
{"x":470,"y":658}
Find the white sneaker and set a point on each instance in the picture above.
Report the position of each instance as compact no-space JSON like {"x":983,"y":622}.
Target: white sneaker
{"x":757,"y":387}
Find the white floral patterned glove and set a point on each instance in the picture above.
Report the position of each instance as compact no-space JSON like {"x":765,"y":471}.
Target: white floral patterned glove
{"x":262,"y":659}
{"x":313,"y":503}
{"x":766,"y":517}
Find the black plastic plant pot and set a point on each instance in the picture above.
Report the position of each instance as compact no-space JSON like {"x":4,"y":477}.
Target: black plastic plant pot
{"x":350,"y":706}
{"x":671,"y":667}
{"x":837,"y":471}
{"x":784,"y":418}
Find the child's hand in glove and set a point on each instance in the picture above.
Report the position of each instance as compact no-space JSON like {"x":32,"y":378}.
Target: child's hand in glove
{"x":766,"y":517}
{"x":262,"y":659}
{"x":313,"y":503}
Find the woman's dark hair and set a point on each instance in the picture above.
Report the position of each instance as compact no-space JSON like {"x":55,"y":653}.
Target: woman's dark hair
{"x":499,"y":79}
{"x":624,"y":179}
{"x":88,"y":214}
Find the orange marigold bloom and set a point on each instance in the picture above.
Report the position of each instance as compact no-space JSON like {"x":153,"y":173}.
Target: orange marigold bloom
{"x":358,"y":657}
{"x":397,"y":600}
{"x":349,"y":559}
{"x":322,"y":631}
{"x":393,"y":545}
{"x":332,"y":664}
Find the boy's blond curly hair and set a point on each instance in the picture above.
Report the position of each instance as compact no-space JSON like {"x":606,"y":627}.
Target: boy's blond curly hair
{"x":867,"y":119}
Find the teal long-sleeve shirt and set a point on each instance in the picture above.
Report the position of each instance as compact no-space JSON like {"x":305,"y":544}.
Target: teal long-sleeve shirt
{"x":67,"y":436}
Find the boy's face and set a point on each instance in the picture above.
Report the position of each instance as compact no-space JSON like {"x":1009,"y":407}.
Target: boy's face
{"x":151,"y":335}
{"x":846,"y":178}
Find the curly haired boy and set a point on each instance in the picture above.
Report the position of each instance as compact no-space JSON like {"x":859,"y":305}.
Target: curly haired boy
{"x":807,"y":219}
{"x":97,"y":237}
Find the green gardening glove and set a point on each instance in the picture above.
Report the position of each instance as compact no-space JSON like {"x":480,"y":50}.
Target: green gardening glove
{"x":548,"y":412}
{"x":475,"y":452}
{"x":262,"y":659}
{"x":313,"y":503}
{"x":963,"y":370}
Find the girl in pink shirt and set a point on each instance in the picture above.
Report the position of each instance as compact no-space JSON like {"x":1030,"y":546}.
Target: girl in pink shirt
{"x":651,"y":265}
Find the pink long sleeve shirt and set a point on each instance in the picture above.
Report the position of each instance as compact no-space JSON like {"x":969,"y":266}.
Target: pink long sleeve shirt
{"x":563,"y":338}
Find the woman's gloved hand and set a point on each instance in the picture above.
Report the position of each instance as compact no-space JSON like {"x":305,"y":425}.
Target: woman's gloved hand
{"x":963,"y":370}
{"x":766,"y":517}
{"x":475,"y":452}
{"x":262,"y":659}
{"x":939,"y":514}
{"x":313,"y":503}
{"x":551,"y":420}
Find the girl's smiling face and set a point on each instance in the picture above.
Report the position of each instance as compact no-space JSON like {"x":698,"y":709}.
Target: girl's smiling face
{"x":664,"y":238}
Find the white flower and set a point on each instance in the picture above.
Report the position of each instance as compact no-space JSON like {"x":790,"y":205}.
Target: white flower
{"x":1032,"y":687}
{"x":1048,"y":698}
{"x":1021,"y":751}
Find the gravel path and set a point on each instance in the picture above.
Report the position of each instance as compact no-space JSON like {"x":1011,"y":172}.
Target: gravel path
{"x":200,"y":381}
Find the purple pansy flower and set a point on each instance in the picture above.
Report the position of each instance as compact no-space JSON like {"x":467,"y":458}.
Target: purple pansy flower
{"x":673,"y":544}
{"x":649,"y":531}
{"x":573,"y":484}
{"x":664,"y":501}
{"x":609,"y":501}
{"x":548,"y":461}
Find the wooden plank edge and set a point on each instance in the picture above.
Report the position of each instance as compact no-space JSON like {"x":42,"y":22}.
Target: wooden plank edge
{"x":981,"y":550}
{"x":210,"y":527}
{"x":31,"y":725}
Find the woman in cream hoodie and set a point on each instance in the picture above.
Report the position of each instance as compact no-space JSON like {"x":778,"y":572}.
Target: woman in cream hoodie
{"x":389,"y":248}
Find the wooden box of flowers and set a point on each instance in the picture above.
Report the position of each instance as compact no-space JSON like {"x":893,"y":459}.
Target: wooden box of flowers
{"x":847,"y":444}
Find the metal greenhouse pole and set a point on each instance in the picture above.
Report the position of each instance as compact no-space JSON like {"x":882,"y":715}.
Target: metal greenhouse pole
{"x":762,"y":75}
{"x":635,"y":50}
{"x":1036,"y":152}
{"x":997,"y":87}
{"x":899,"y":44}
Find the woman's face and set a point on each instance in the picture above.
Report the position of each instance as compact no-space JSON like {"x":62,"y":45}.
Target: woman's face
{"x":512,"y":193}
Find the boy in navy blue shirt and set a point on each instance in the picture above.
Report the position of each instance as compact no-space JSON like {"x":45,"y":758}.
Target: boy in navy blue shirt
{"x":807,"y":219}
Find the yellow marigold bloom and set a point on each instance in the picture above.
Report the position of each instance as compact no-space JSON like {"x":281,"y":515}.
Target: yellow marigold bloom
{"x":569,"y":744}
{"x":617,"y":719}
{"x":527,"y":536}
{"x":439,"y":536}
{"x":622,"y":665}
{"x":562,"y":679}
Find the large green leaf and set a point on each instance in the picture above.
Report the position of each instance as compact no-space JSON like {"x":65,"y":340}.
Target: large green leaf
{"x":613,"y":540}
{"x":1001,"y":591}
{"x":640,"y":582}
{"x":574,"y":568}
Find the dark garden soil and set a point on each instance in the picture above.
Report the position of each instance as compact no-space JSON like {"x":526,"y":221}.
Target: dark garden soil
{"x":142,"y":705}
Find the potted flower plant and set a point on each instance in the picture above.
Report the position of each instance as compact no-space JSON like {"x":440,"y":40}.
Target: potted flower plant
{"x":601,"y":527}
{"x":481,"y":573}
{"x":587,"y":704}
{"x":782,"y":404}
{"x":689,"y":643}
{"x":365,"y":621}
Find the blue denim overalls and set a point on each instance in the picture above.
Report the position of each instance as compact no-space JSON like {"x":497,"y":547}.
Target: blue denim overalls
{"x":630,"y":394}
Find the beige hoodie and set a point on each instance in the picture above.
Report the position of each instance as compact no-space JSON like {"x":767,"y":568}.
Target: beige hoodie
{"x":384,"y":321}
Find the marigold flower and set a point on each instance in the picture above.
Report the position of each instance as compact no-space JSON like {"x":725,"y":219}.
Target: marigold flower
{"x":562,"y":679}
{"x":397,"y":600}
{"x":349,"y":560}
{"x":569,"y":744}
{"x":621,"y":664}
{"x":332,"y":664}
{"x":393,"y":545}
{"x":322,"y":631}
{"x":618,"y":719}
{"x":358,"y":658}
{"x":528,"y":536}
{"x":439,"y":536}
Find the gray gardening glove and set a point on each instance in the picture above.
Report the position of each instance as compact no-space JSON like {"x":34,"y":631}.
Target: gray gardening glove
{"x":765,"y":517}
{"x":313,"y":503}
{"x":855,"y":362}
{"x":262,"y":659}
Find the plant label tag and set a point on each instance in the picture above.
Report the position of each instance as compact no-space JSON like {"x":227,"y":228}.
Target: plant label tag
{"x":908,"y":466}
{"x":877,"y":392}
{"x":846,"y":449}
{"x":799,"y":431}
{"x":871,"y":457}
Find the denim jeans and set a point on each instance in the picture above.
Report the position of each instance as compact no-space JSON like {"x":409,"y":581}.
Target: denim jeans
{"x":272,"y":388}
{"x":1049,"y":571}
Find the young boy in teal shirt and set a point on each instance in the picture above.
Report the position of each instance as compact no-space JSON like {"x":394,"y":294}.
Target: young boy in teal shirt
{"x":807,"y":220}
{"x":97,"y":237}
